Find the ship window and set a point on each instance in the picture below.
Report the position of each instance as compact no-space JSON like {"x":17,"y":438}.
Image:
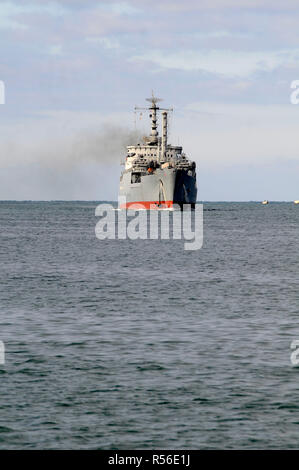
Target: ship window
{"x":135,"y":178}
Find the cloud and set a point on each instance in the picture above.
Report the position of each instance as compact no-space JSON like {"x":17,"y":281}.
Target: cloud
{"x":178,"y":5}
{"x":55,"y":50}
{"x":221,"y":34}
{"x":224,"y":62}
{"x":218,"y":135}
{"x":106,"y":42}
{"x":13,"y":15}
{"x":120,"y":8}
{"x":194,"y":5}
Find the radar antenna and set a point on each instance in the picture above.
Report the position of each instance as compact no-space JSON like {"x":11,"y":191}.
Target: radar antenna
{"x":154,"y":100}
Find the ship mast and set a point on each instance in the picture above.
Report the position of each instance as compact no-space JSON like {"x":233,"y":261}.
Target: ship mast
{"x":154,"y":108}
{"x":153,"y":139}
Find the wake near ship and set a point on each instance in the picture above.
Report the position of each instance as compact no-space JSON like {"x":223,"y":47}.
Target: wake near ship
{"x":157,"y":175}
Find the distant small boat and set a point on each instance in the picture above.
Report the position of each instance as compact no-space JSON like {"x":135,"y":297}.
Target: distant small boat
{"x":265,"y":202}
{"x":296,"y":202}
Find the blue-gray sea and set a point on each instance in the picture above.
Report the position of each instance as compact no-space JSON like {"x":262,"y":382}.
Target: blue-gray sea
{"x":140,"y":344}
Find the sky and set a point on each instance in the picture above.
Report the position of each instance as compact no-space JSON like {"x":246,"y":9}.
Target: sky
{"x":73,"y":71}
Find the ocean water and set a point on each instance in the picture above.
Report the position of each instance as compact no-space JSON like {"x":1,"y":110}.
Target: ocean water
{"x":122,"y":344}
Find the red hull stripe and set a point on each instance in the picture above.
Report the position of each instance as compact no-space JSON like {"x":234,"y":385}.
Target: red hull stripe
{"x":147,"y":205}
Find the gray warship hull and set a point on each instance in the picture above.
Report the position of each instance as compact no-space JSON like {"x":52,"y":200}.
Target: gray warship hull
{"x":160,"y":190}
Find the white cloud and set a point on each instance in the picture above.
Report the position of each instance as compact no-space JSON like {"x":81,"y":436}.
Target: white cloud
{"x":55,"y":50}
{"x":224,"y":62}
{"x":104,"y":41}
{"x":123,"y":8}
{"x":178,"y":5}
{"x":12,"y":14}
{"x":221,"y":34}
{"x":218,"y":135}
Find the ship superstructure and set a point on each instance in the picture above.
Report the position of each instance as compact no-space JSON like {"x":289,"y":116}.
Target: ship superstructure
{"x":157,"y":175}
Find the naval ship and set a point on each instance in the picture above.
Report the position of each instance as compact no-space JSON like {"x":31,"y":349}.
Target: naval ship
{"x":157,"y":175}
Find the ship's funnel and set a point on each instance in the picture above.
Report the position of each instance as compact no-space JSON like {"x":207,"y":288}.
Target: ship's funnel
{"x":164,"y":136}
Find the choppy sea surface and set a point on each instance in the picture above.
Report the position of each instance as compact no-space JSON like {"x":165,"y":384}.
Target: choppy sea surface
{"x":139,"y":344}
